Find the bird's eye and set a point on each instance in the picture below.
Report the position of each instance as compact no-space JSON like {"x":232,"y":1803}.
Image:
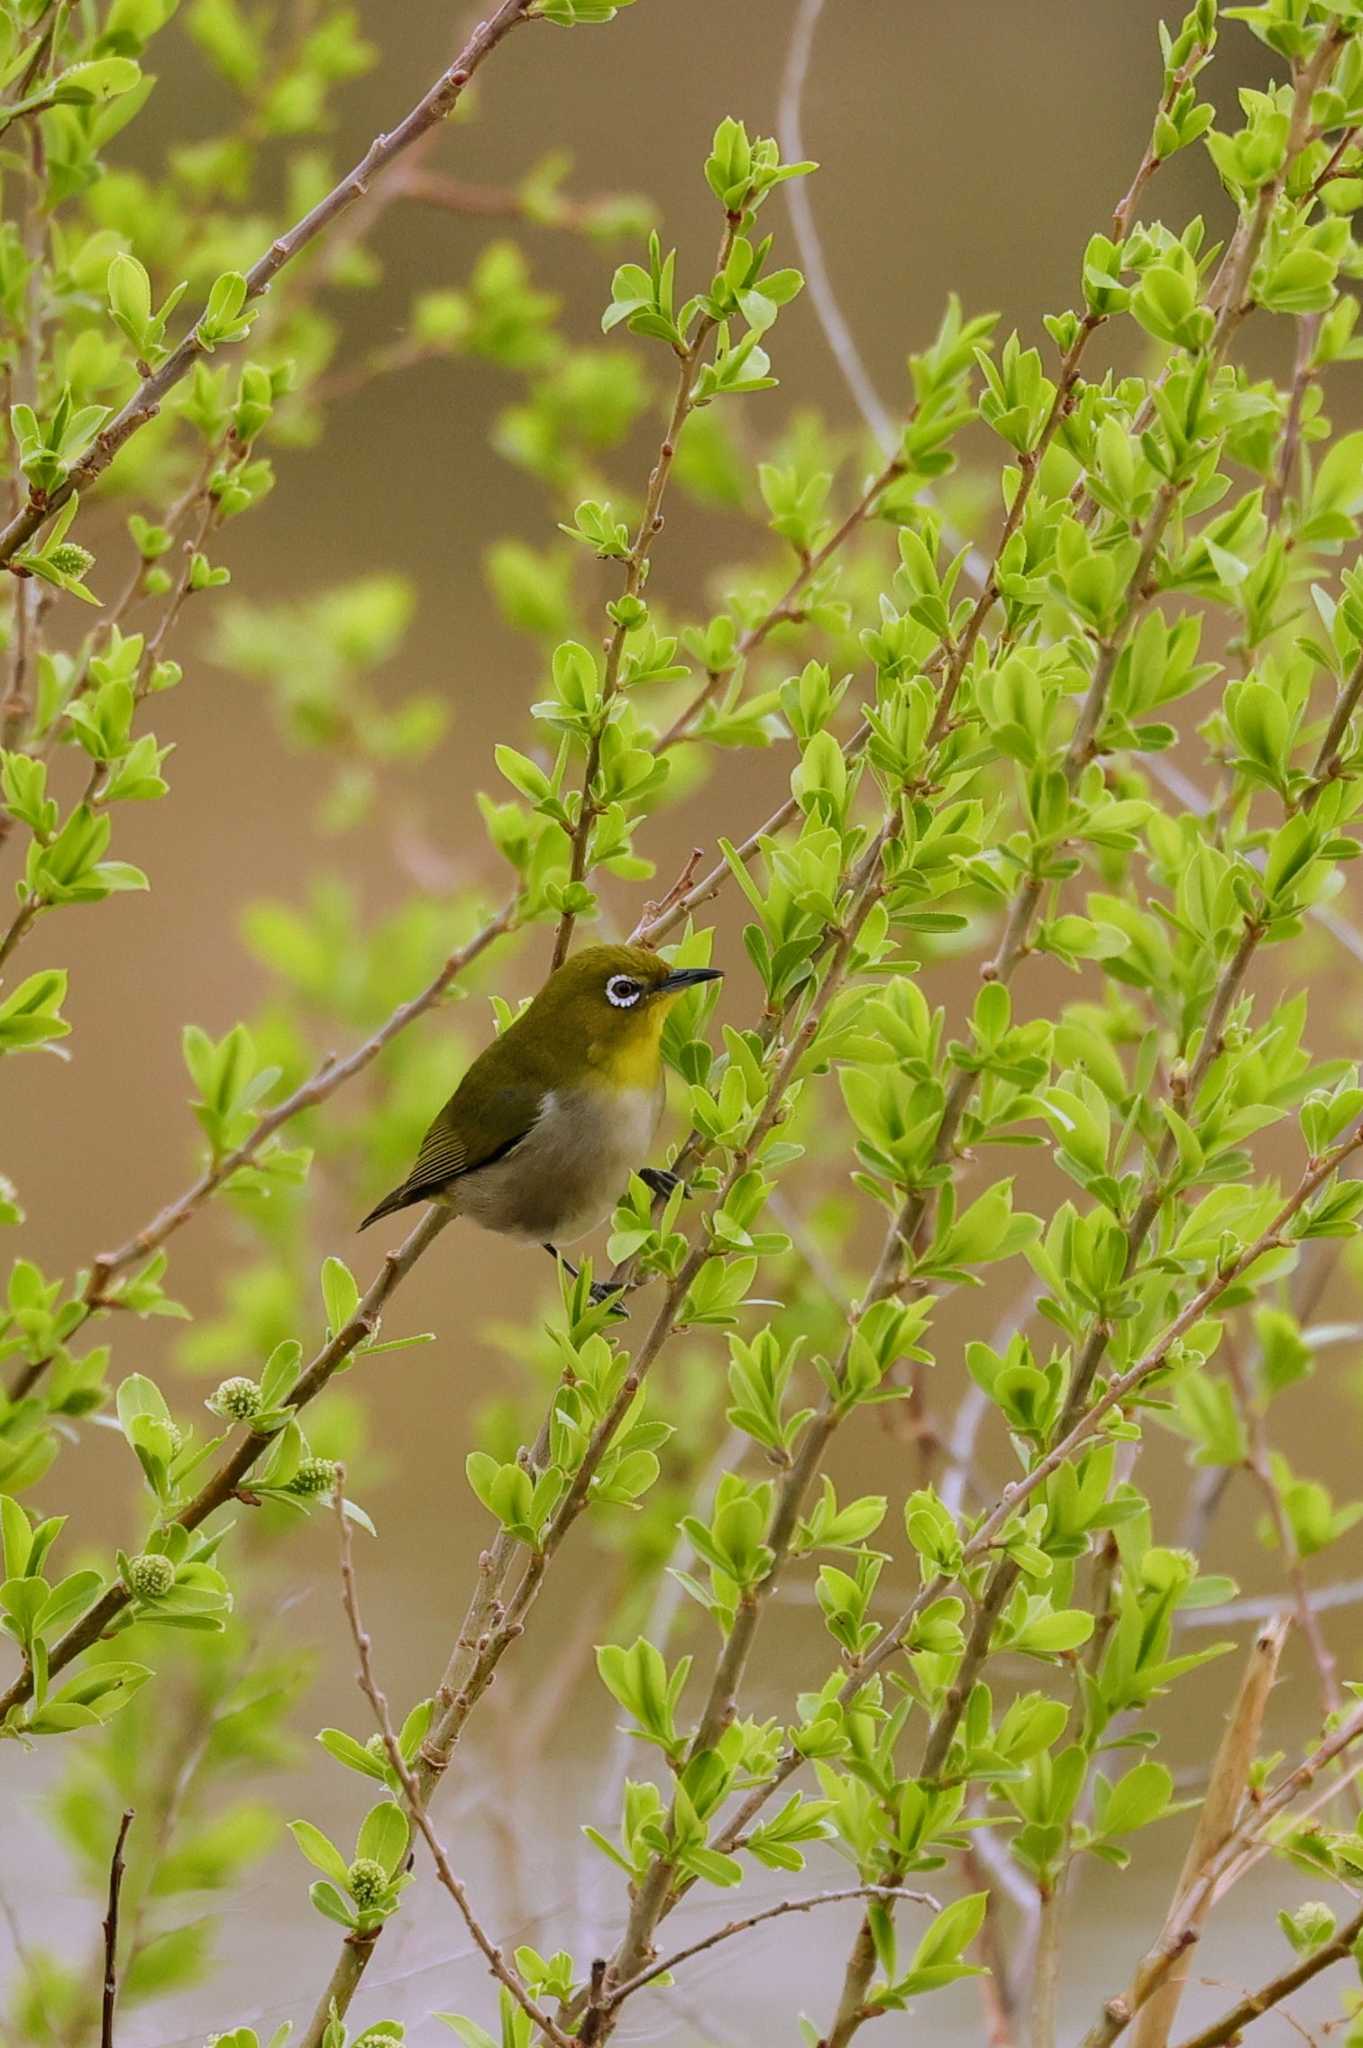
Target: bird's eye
{"x":623,"y":991}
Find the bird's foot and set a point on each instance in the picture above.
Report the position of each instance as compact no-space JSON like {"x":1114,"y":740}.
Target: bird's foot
{"x":611,"y":1291}
{"x":659,"y":1181}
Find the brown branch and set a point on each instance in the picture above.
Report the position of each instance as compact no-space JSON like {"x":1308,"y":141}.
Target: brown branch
{"x":1216,"y":1816}
{"x":1015,"y":1495}
{"x":655,"y":915}
{"x":503,"y":202}
{"x":1150,"y":162}
{"x":226,"y":1483}
{"x":1327,"y":758}
{"x":636,"y":573}
{"x":784,"y":610}
{"x":1308,"y":331}
{"x":1253,"y":2007}
{"x":328,"y":1077}
{"x":1222,"y":1870}
{"x":1347,"y":141}
{"x":106,"y":2028}
{"x":732,"y":1927}
{"x":504,"y":1973}
{"x":1260,"y":1462}
{"x":495,"y":1619}
{"x":434,"y":106}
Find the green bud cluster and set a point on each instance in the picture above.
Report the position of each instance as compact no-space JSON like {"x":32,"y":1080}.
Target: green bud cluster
{"x":314,"y":1476}
{"x":368,"y":1880}
{"x":237,"y":1397}
{"x":150,"y":1575}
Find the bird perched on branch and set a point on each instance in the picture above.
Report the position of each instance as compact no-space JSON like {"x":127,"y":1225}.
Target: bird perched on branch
{"x":541,"y":1135}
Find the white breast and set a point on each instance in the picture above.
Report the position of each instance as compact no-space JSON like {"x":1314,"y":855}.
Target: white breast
{"x":568,"y":1173}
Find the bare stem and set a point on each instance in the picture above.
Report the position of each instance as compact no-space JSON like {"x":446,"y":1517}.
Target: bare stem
{"x":1222,"y":1869}
{"x":503,"y":1971}
{"x":1217,"y":1815}
{"x":1260,"y":1461}
{"x":1256,"y":2003}
{"x":665,"y":1964}
{"x":106,"y":2026}
{"x":636,"y":573}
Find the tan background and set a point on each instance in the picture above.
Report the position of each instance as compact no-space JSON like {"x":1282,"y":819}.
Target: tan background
{"x":966,"y":147}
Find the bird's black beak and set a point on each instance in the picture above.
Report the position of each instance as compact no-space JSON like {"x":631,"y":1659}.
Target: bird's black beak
{"x":687,"y":977}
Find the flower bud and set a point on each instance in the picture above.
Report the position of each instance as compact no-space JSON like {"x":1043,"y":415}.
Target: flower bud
{"x":237,"y":1398}
{"x":368,"y":1880}
{"x":150,"y":1575}
{"x":68,"y":558}
{"x":314,"y":1475}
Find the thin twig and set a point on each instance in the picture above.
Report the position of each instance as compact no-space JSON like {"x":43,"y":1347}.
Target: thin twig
{"x":1308,"y":332}
{"x":106,"y":2026}
{"x":496,"y":1617}
{"x":785,"y":609}
{"x":731,"y":1927}
{"x":1253,"y":2007}
{"x":503,"y":202}
{"x":226,"y":1483}
{"x":433,"y":107}
{"x":1238,"y":1854}
{"x":1263,"y":1606}
{"x":1260,"y":1461}
{"x":636,"y":573}
{"x":1014,"y":1496}
{"x":320,"y":1085}
{"x":837,"y":333}
{"x":416,"y":1804}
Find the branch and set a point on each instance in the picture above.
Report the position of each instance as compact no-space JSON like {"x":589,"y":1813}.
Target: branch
{"x":837,"y":333}
{"x":504,"y":202}
{"x":784,"y":610}
{"x":145,"y":403}
{"x":1308,"y":331}
{"x":1216,"y":1816}
{"x":732,"y":1927}
{"x":416,"y":1803}
{"x":496,"y":1618}
{"x":106,"y":2030}
{"x":1263,"y":1606}
{"x":328,"y":1077}
{"x":1260,"y":1462}
{"x":227,"y":1481}
{"x":636,"y":573}
{"x":1019,"y":1491}
{"x":1222,"y":1871}
{"x":1228,"y":2028}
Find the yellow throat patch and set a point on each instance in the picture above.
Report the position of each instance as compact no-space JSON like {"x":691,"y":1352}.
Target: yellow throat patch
{"x":632,"y":1056}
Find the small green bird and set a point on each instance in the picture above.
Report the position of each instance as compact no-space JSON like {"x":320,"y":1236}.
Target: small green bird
{"x":541,"y":1135}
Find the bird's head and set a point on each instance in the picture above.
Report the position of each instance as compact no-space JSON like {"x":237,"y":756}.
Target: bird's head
{"x":611,"y":1001}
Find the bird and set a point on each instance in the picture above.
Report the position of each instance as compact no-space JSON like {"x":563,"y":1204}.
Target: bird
{"x":540,"y":1137}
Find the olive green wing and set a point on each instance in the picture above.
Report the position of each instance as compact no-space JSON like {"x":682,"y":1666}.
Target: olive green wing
{"x":491,"y":1111}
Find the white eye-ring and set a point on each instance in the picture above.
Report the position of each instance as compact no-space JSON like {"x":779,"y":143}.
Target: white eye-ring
{"x":623,"y":991}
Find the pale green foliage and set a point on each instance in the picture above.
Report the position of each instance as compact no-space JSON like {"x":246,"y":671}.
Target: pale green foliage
{"x":1143,"y":1159}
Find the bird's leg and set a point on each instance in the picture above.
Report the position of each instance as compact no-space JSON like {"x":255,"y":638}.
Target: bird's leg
{"x":601,"y":1289}
{"x":659,"y":1181}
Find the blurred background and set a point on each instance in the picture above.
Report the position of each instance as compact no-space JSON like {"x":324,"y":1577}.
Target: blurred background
{"x":963,"y":149}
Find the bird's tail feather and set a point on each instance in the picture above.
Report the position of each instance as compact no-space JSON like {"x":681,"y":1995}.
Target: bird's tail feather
{"x":400,"y":1198}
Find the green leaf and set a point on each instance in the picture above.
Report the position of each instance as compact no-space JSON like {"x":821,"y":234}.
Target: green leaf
{"x":384,"y":1835}
{"x":320,"y":1851}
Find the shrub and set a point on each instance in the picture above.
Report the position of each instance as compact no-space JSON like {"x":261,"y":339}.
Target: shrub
{"x":980,"y":713}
